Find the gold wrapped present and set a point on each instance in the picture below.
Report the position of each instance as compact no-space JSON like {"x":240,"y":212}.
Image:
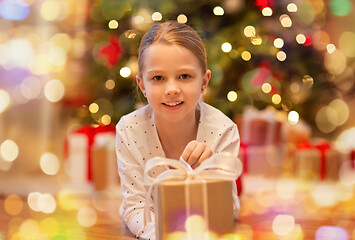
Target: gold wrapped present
{"x":194,"y":203}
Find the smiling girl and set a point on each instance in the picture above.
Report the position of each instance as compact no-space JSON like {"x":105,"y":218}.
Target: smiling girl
{"x":175,"y":123}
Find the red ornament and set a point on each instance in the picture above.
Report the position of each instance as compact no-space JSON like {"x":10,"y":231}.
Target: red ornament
{"x":264,"y":3}
{"x":111,"y":52}
{"x":308,"y":41}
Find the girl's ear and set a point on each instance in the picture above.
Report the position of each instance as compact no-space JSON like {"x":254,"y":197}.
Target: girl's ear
{"x":205,"y":80}
{"x":140,"y":83}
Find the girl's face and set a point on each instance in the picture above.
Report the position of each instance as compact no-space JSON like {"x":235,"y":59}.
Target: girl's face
{"x":172,"y":81}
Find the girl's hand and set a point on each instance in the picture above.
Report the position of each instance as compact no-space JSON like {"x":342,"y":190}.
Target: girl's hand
{"x":195,"y":153}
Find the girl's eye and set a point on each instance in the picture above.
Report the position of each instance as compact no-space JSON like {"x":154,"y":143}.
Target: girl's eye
{"x":185,"y":76}
{"x":158,"y":78}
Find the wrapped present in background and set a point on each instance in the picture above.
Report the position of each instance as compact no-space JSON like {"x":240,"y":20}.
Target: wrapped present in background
{"x":179,"y":205}
{"x":260,"y":127}
{"x":266,"y":161}
{"x":296,"y":133}
{"x":78,"y":148}
{"x":104,"y":162}
{"x":317,"y":161}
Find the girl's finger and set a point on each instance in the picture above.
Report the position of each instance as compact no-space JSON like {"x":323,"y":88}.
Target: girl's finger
{"x":188,"y":150}
{"x":206,"y":154}
{"x":196,"y":153}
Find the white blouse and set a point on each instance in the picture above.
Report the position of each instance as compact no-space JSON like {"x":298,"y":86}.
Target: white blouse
{"x":137,"y":141}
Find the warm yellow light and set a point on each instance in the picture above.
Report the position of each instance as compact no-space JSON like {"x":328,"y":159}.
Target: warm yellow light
{"x":54,"y":90}
{"x":195,"y":224}
{"x":157,"y":16}
{"x":293,"y":117}
{"x":246,"y":56}
{"x":32,"y":201}
{"x":285,"y":21}
{"x":50,"y":10}
{"x":4,"y":100}
{"x":301,"y":38}
{"x":9,"y":150}
{"x":256,"y":40}
{"x":218,"y":11}
{"x":57,"y":56}
{"x":87,"y":216}
{"x":331,"y":48}
{"x":39,"y":64}
{"x":276,"y":99}
{"x":291,"y":7}
{"x":307,"y":81}
{"x":110,"y":84}
{"x":266,"y":87}
{"x":29,"y":229}
{"x":46,"y":203}
{"x":283,"y":224}
{"x":281,"y":56}
{"x":182,"y":18}
{"x":249,"y":31}
{"x":342,"y":109}
{"x":113,"y":24}
{"x":49,"y":227}
{"x":278,"y":42}
{"x":267,"y":12}
{"x":125,"y":72}
{"x":286,"y":188}
{"x":226,"y":47}
{"x":106,"y":119}
{"x":94,"y":108}
{"x":49,"y":163}
{"x":232,"y":96}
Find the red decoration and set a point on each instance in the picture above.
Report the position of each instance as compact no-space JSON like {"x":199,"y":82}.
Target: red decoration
{"x":111,"y":52}
{"x":352,"y":158}
{"x":264,"y":3}
{"x":308,"y":41}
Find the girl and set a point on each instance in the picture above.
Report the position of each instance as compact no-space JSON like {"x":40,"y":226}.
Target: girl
{"x":175,"y":123}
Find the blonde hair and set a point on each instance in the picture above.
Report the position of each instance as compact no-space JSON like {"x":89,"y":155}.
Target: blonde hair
{"x":173,"y":33}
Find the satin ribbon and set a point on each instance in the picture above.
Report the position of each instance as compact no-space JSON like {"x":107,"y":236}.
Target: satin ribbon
{"x":245,"y":159}
{"x":352,"y":159}
{"x":223,"y":166}
{"x":323,"y":147}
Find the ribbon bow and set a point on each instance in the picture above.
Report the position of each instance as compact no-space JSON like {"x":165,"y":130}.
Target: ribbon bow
{"x":222,"y":166}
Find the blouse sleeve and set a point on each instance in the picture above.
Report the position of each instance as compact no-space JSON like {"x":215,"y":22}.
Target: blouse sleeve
{"x":132,"y":186}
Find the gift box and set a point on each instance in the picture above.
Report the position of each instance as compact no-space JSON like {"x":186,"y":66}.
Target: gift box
{"x":317,"y":161}
{"x":104,"y":162}
{"x":78,"y":149}
{"x":178,"y":203}
{"x":194,"y":203}
{"x":260,"y":127}
{"x":265,"y":161}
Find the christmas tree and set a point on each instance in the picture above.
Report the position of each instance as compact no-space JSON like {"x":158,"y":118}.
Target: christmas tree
{"x":261,"y":53}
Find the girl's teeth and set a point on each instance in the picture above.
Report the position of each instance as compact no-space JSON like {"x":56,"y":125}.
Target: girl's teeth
{"x":172,"y":104}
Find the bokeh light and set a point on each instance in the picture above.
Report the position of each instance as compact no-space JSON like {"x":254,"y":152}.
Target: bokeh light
{"x":218,"y":11}
{"x":320,"y":40}
{"x":285,"y":21}
{"x":110,"y":84}
{"x":330,"y":48}
{"x":325,"y":195}
{"x":346,"y":43}
{"x":112,"y":24}
{"x":331,"y":233}
{"x":49,"y":227}
{"x":300,"y":38}
{"x":94,"y":108}
{"x":9,"y":150}
{"x":232,"y":96}
{"x":14,"y":10}
{"x":32,"y":201}
{"x":293,"y":117}
{"x":13,"y":204}
{"x":267,"y":12}
{"x":226,"y":47}
{"x":341,"y":7}
{"x":31,"y":87}
{"x":182,"y":18}
{"x":246,"y":56}
{"x":157,"y":16}
{"x":87,"y":216}
{"x":278,"y":43}
{"x":106,"y":119}
{"x":256,"y":40}
{"x":266,"y":87}
{"x":54,"y":90}
{"x":281,"y":56}
{"x":57,"y":56}
{"x":49,"y":163}
{"x":46,"y":203}
{"x":195,"y":224}
{"x":125,"y":72}
{"x":342,"y":111}
{"x":4,"y":100}
{"x":307,"y":81}
{"x":249,"y":31}
{"x":291,"y":7}
{"x":283,"y":224}
{"x":335,"y":62}
{"x":286,"y":188}
{"x":29,"y":229}
{"x":276,"y":99}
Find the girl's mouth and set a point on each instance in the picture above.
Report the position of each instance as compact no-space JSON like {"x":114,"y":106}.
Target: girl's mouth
{"x":172,"y":104}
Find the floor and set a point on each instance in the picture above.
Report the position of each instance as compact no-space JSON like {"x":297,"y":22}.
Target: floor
{"x":271,"y":210}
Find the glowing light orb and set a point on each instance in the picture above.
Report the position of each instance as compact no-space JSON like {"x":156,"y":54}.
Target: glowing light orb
{"x":249,"y":31}
{"x":182,"y":18}
{"x":157,"y":16}
{"x":300,"y":38}
{"x":291,"y":7}
{"x":46,"y":203}
{"x":226,"y":47}
{"x":278,"y":42}
{"x":307,"y":81}
{"x":49,"y":163}
{"x":13,"y":205}
{"x":50,"y":10}
{"x":267,"y":12}
{"x":246,"y":56}
{"x":32,"y":201}
{"x":57,"y":56}
{"x":125,"y":72}
{"x":49,"y":227}
{"x":266,"y":87}
{"x":256,"y":40}
{"x":19,"y":52}
{"x":346,"y":43}
{"x":281,"y":56}
{"x":31,"y":87}
{"x":9,"y":150}
{"x":283,"y":224}
{"x":285,"y":21}
{"x":110,"y":84}
{"x":341,"y":7}
{"x":331,"y":48}
{"x":276,"y":99}
{"x":87,"y":216}
{"x":331,"y":233}
{"x":106,"y":119}
{"x":232,"y":96}
{"x":325,"y":195}
{"x":54,"y":90}
{"x":195,"y":223}
{"x":94,"y":107}
{"x":113,"y":24}
{"x":218,"y":11}
{"x":4,"y":100}
{"x":29,"y":229}
{"x":293,"y":117}
{"x":14,"y":10}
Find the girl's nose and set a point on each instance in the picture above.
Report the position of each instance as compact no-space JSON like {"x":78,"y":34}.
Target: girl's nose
{"x":172,"y":89}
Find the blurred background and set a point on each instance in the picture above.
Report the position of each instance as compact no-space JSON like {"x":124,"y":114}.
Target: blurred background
{"x":68,"y":67}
